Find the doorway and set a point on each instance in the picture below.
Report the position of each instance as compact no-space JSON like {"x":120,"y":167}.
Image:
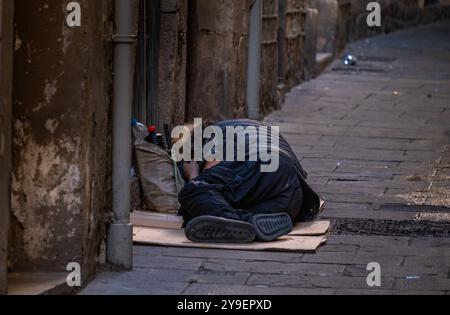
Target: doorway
{"x":159,"y":96}
{"x":145,"y":105}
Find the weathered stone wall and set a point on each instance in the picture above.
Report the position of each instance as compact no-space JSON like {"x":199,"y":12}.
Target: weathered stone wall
{"x":61,"y":145}
{"x":172,"y":62}
{"x":269,"y":58}
{"x":295,"y":42}
{"x":217,"y":58}
{"x":6,"y":52}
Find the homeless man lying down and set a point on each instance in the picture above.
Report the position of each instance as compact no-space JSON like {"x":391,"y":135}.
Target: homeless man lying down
{"x":234,"y":201}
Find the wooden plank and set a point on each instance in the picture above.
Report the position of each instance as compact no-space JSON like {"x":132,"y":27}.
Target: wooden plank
{"x":176,"y":238}
{"x":156,"y":220}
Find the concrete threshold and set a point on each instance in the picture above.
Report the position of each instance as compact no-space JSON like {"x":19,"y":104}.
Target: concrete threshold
{"x":37,"y":283}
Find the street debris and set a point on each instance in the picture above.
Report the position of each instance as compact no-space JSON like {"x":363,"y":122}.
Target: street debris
{"x":350,"y":60}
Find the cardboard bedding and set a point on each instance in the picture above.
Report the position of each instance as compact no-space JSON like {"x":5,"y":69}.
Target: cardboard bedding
{"x":166,"y":230}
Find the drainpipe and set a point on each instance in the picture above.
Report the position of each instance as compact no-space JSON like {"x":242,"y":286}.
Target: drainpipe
{"x":119,"y":245}
{"x":254,"y":60}
{"x":281,"y":41}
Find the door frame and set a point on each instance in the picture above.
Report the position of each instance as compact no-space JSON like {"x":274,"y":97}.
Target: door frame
{"x":6,"y":79}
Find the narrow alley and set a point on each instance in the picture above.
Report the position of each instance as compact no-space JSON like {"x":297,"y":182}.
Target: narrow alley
{"x":375,"y":140}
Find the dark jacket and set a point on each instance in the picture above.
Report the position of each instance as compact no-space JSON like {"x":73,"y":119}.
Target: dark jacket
{"x":236,"y":190}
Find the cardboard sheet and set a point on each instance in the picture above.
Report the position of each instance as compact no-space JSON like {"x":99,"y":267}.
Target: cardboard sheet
{"x":306,"y":237}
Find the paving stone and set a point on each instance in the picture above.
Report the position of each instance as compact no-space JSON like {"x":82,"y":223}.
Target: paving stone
{"x":282,"y":268}
{"x":164,"y":262}
{"x":369,"y":240}
{"x":372,"y":132}
{"x":303,"y":139}
{"x":409,"y":250}
{"x":368,"y":214}
{"x":147,"y":250}
{"x":314,"y":282}
{"x":399,"y":272}
{"x":339,"y":248}
{"x":227,"y":254}
{"x":348,"y":206}
{"x":354,"y":259}
{"x":129,"y":288}
{"x":148,"y":281}
{"x":439,"y":243}
{"x":372,"y":143}
{"x":220,"y":277}
{"x":223,"y":290}
{"x":385,"y":292}
{"x":312,"y":129}
{"x":345,"y":196}
{"x":350,"y":153}
{"x":428,"y":261}
{"x":397,"y":184}
{"x":423,"y":284}
{"x":345,"y":189}
{"x":319,"y":165}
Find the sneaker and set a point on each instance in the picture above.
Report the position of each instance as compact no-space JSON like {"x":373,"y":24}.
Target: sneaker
{"x":269,"y":227}
{"x":209,"y":229}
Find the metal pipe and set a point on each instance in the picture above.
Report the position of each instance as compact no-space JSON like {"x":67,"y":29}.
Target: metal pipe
{"x":254,"y":60}
{"x":119,"y":242}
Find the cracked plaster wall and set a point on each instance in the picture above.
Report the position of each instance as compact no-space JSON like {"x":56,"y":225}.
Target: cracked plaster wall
{"x":61,"y":137}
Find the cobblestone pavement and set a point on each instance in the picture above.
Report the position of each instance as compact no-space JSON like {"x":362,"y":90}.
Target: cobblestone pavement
{"x":375,"y":139}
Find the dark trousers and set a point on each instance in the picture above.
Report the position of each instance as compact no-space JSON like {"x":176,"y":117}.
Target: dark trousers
{"x":238,"y":190}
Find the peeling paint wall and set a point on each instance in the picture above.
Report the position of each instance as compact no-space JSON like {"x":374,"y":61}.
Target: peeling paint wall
{"x":217,"y":58}
{"x":6,"y":52}
{"x":61,"y":143}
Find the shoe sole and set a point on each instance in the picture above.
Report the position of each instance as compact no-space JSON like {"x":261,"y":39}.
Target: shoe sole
{"x":208,"y":229}
{"x":269,"y":227}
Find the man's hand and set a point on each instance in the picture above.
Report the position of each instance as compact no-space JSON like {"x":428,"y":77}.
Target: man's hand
{"x":191,"y":170}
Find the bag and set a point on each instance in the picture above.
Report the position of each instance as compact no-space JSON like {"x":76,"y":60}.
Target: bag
{"x":157,"y":175}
